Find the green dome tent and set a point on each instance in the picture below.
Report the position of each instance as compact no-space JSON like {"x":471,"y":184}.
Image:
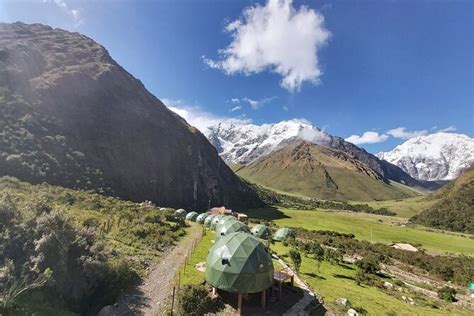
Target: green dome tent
{"x":181,"y":212}
{"x":192,"y":216}
{"x":230,"y":226}
{"x":219,"y":220}
{"x":201,"y":217}
{"x":283,"y":233}
{"x":261,"y":231}
{"x":208,"y":220}
{"x":239,"y":263}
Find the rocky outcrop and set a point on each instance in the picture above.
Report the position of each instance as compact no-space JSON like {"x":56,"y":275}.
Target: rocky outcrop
{"x":72,"y":116}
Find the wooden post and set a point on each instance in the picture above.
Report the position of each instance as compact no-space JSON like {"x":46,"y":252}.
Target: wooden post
{"x":263,"y":298}
{"x":172,"y":302}
{"x":279,"y":290}
{"x":213,"y":291}
{"x":239,"y":304}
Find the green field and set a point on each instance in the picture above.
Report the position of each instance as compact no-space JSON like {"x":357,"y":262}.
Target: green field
{"x":403,"y":207}
{"x":368,"y":227}
{"x":334,"y":281}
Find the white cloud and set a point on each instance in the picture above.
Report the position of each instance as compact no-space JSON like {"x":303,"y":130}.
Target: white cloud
{"x":236,"y":108}
{"x":198,"y":118}
{"x":254,"y":104}
{"x":275,"y":37}
{"x":448,"y":129}
{"x":285,"y":108}
{"x":367,"y":138}
{"x":401,"y":132}
{"x":74,"y":13}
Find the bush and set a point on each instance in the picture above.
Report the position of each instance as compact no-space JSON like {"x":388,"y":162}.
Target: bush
{"x":195,"y":300}
{"x":447,"y":294}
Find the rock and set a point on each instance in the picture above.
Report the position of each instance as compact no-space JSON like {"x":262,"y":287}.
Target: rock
{"x":342,"y":301}
{"x":352,"y":312}
{"x":107,"y":310}
{"x":388,"y":285}
{"x":404,"y":298}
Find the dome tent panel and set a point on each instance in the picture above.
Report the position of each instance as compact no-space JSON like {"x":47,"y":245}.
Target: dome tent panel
{"x":201,"y":218}
{"x":261,"y":231}
{"x":208,"y":220}
{"x":238,"y":262}
{"x":192,"y":216}
{"x":283,"y":233}
{"x":230,"y":226}
{"x":180,"y":212}
{"x":221,"y":219}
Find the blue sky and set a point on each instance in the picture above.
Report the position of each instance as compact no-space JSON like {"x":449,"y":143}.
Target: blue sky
{"x":350,"y":67}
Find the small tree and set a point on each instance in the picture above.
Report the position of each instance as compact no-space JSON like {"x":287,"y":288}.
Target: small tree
{"x":318,"y":253}
{"x":296,"y":259}
{"x":447,"y":293}
{"x":369,"y":264}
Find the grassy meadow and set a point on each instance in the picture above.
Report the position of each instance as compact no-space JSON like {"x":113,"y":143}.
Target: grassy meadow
{"x":335,"y":281}
{"x":370,"y":227}
{"x":404,"y":207}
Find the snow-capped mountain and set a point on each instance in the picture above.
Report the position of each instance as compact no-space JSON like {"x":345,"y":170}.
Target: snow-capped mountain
{"x":439,"y":156}
{"x":243,"y":143}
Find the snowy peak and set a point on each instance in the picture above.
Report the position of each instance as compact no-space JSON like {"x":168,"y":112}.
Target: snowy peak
{"x":439,"y":156}
{"x":244,"y":143}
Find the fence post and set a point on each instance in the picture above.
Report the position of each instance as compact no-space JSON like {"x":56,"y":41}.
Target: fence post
{"x":172,"y":302}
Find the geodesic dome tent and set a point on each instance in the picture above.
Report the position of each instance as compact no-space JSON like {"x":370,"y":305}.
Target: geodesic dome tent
{"x":261,"y":231}
{"x":201,"y":217}
{"x":192,"y":216}
{"x":230,"y":226}
{"x":283,"y":233}
{"x":208,"y":220}
{"x":181,"y":212}
{"x":220,"y":219}
{"x":239,"y":263}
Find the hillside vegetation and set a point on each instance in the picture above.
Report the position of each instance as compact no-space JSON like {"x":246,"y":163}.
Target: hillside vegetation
{"x":76,"y":250}
{"x":320,"y":172}
{"x":453,"y":207}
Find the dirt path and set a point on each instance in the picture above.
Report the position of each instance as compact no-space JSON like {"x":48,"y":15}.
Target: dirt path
{"x":151,"y":294}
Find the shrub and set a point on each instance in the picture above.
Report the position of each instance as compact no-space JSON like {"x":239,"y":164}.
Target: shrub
{"x":195,"y":300}
{"x":447,"y":294}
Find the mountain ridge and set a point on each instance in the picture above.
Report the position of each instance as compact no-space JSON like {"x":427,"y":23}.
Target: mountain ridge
{"x":245,"y":143}
{"x":434,"y":157}
{"x":317,"y":171}
{"x":73,"y":117}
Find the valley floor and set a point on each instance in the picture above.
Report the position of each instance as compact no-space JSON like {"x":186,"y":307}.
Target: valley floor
{"x":376,"y":228}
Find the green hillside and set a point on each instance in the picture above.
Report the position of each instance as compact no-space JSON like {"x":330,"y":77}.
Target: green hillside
{"x":452,"y":206}
{"x":74,"y":250}
{"x":319,"y":172}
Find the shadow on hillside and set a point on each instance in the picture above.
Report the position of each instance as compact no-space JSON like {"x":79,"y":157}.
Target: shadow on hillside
{"x":267,"y":213}
{"x":314,"y":275}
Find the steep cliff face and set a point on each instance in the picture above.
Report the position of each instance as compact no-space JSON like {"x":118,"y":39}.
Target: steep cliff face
{"x":72,"y":116}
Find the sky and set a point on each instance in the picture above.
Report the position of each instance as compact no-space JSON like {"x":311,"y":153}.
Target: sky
{"x":374,"y":72}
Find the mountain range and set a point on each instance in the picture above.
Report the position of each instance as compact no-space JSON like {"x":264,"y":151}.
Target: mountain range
{"x":72,"y":116}
{"x":438,"y":156}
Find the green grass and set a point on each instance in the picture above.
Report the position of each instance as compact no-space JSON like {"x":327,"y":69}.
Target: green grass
{"x":368,"y":227}
{"x":188,"y":273}
{"x":334,"y":281}
{"x":403,"y":207}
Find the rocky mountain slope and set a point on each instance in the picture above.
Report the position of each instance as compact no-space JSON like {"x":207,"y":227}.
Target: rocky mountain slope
{"x":439,"y":156}
{"x":245,"y":143}
{"x":72,"y":116}
{"x":454,"y":206}
{"x":317,"y":171}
